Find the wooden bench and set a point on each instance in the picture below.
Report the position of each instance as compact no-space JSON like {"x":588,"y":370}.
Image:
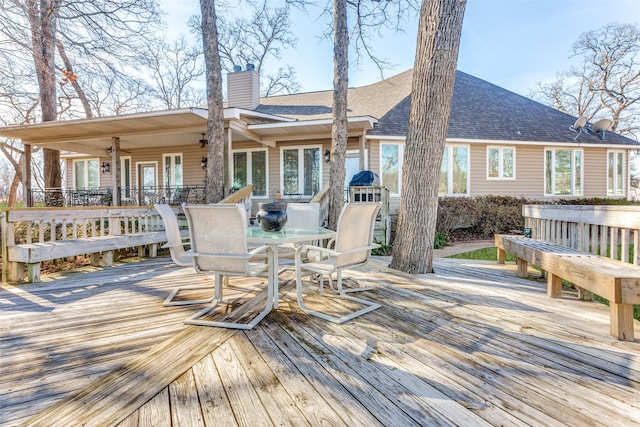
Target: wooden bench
{"x":617,"y":281}
{"x":33,"y":235}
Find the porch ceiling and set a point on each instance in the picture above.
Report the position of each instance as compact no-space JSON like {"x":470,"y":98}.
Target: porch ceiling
{"x":168,"y":128}
{"x":94,"y":136}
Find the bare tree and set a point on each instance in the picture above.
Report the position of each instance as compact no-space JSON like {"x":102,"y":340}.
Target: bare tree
{"x":339,"y":133}
{"x":100,"y":34}
{"x":367,"y":15}
{"x":257,"y":41}
{"x":215,"y":123}
{"x":607,"y":81}
{"x":431,"y":94}
{"x":175,"y":67}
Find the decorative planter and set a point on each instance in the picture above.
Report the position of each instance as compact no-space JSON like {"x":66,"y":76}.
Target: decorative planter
{"x":272,"y":216}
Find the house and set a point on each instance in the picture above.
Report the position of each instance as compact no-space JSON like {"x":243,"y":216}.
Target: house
{"x":498,"y":143}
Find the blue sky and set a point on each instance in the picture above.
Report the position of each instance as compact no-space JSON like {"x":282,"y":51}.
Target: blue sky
{"x":511,"y":43}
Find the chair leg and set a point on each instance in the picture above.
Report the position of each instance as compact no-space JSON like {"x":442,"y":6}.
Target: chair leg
{"x":369,"y":306}
{"x":196,"y":319}
{"x":340,"y":288}
{"x":217,"y":293}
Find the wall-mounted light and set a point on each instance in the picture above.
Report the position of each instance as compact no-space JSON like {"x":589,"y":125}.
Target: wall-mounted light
{"x":106,"y":167}
{"x":203,"y":162}
{"x":327,"y":155}
{"x":204,"y":141}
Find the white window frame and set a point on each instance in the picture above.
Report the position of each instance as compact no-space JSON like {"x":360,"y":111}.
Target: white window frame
{"x":300,"y":149}
{"x":573,"y":174}
{"x":250,"y":152}
{"x":501,"y":150}
{"x":172,"y":180}
{"x":449,"y":149}
{"x":612,"y":187}
{"x":400,"y":146}
{"x":86,"y":171}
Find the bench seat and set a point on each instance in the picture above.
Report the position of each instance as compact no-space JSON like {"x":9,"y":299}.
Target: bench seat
{"x":32,"y":254}
{"x":617,"y":281}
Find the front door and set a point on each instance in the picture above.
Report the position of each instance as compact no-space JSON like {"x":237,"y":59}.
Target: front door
{"x":147,"y":183}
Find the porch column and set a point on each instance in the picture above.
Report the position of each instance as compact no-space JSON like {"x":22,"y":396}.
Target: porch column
{"x":116,"y":172}
{"x":361,"y":150}
{"x":26,"y":176}
{"x":228,"y":163}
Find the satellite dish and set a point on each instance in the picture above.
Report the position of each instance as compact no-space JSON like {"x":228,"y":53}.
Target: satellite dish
{"x":579,"y":126}
{"x":601,"y":125}
{"x":580,"y":123}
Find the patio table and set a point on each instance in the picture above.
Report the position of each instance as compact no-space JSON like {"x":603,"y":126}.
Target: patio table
{"x":256,"y":235}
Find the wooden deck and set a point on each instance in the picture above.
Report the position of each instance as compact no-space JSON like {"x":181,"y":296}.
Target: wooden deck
{"x":472,"y":344}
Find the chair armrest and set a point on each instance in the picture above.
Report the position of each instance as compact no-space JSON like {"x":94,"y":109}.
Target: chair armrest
{"x":204,"y":254}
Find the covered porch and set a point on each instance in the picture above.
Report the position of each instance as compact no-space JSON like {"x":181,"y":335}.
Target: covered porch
{"x":472,"y":344}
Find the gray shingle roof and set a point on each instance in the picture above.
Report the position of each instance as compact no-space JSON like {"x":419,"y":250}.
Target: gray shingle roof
{"x":480,"y":111}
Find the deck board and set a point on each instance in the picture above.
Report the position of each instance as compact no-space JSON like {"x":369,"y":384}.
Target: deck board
{"x":472,"y":344}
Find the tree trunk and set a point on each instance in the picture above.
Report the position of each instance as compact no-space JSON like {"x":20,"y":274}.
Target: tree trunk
{"x":339,"y":127}
{"x":431,"y":93}
{"x":215,"y":125}
{"x":43,"y":39}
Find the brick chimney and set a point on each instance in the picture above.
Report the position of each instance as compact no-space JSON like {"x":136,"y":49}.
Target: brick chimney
{"x":243,"y":88}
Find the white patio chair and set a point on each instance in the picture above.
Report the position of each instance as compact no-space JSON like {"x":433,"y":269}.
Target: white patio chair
{"x":300,"y":215}
{"x":176,"y":245}
{"x":218,"y":236}
{"x":353,"y":244}
{"x":175,"y":242}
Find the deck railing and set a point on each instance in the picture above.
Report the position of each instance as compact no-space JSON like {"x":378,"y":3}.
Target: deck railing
{"x":129,"y":196}
{"x":611,"y":231}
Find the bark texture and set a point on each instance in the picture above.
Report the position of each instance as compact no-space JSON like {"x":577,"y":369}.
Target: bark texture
{"x":215,"y":125}
{"x":431,"y":93}
{"x":339,"y":127}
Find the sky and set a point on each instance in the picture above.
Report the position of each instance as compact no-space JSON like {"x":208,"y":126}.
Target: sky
{"x":511,"y":43}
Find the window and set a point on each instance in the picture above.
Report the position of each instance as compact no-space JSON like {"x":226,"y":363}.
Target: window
{"x":563,"y":172}
{"x":454,"y":172}
{"x":615,"y":173}
{"x":501,"y":162}
{"x":301,"y":170}
{"x":250,"y":167}
{"x":172,"y":166}
{"x":391,"y":166}
{"x":86,"y":173}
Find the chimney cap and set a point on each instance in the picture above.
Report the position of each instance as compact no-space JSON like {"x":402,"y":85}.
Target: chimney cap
{"x":237,"y":68}
{"x":250,"y":66}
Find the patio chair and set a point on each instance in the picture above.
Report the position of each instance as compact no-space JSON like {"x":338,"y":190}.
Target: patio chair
{"x":218,"y":235}
{"x":300,"y":215}
{"x":353,"y":244}
{"x":176,"y":245}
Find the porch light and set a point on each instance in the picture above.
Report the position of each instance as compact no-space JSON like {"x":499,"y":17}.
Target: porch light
{"x":203,"y":141}
{"x":327,"y":155}
{"x":203,"y":162}
{"x":106,"y":167}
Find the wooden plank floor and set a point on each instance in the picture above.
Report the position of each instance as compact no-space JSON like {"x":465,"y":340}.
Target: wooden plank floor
{"x":472,"y":344}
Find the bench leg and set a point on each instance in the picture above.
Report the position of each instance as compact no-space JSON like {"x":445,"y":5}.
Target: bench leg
{"x":95,"y":259}
{"x":33,"y":272}
{"x":501,"y":256}
{"x":554,"y":286}
{"x":622,"y":321}
{"x":15,"y":271}
{"x":523,"y":267}
{"x":107,"y":256}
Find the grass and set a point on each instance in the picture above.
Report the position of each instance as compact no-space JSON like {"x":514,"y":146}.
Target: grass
{"x":491,"y":254}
